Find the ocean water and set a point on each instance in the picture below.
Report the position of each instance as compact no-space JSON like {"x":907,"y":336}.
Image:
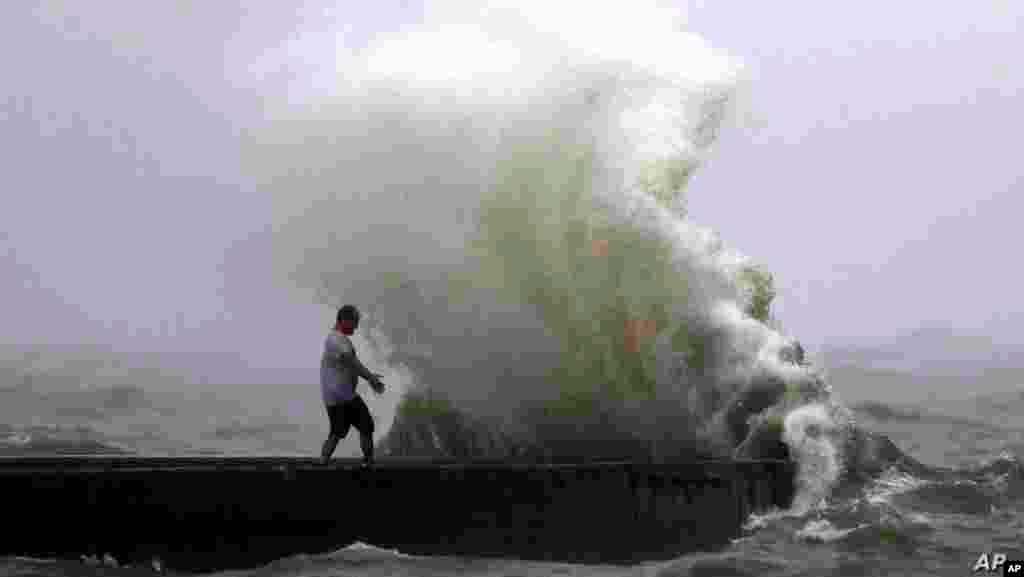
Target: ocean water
{"x":502,"y":190}
{"x":906,"y":519}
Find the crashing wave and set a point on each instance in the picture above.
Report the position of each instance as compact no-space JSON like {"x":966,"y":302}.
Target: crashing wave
{"x":506,"y":184}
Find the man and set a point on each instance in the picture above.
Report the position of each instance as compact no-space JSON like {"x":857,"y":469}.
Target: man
{"x":340,"y":371}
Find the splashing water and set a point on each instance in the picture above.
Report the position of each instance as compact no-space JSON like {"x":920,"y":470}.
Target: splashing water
{"x":501,"y":189}
{"x":814,"y":435}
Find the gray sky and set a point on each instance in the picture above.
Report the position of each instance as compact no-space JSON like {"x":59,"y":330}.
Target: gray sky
{"x":882,"y":187}
{"x":881,"y":183}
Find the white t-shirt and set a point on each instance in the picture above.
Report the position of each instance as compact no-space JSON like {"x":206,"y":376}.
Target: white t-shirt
{"x":337,"y":378}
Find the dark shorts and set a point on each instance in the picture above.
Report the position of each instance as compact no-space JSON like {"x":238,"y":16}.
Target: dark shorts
{"x":353,"y":413}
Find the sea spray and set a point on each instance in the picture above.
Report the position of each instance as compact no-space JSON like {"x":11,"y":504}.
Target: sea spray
{"x":815,"y":439}
{"x":501,"y":189}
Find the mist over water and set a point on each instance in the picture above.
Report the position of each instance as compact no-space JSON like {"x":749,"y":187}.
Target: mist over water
{"x":501,"y":190}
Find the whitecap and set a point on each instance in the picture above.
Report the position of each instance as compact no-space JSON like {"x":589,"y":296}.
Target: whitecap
{"x":824,"y":531}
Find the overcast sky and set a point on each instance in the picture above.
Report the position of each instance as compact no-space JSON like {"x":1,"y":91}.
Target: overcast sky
{"x":878,"y":176}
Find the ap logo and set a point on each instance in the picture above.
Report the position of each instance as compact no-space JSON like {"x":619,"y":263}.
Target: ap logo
{"x":993,"y":562}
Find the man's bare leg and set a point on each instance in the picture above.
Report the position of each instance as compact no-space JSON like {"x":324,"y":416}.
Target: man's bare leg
{"x":328,"y":449}
{"x":366,"y":443}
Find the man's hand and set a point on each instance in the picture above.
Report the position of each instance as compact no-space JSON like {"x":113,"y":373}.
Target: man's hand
{"x":376,"y":384}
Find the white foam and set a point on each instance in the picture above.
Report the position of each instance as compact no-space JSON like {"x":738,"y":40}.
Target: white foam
{"x":366,"y":548}
{"x":812,"y":435}
{"x":892,"y":482}
{"x":823,"y":531}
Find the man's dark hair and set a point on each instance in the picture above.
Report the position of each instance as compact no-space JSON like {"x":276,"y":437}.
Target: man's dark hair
{"x":348,"y":313}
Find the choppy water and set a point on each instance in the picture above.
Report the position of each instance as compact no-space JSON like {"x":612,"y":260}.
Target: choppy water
{"x":907,"y":520}
{"x":522,"y":250}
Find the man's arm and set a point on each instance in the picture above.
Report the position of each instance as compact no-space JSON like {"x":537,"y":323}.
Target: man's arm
{"x":372,"y":378}
{"x":347,"y":356}
{"x":359,"y":367}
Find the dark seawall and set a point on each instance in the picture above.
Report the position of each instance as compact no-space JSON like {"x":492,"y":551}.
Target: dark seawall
{"x":211,"y":513}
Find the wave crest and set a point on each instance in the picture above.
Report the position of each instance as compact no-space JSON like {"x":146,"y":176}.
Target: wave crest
{"x":515,"y":198}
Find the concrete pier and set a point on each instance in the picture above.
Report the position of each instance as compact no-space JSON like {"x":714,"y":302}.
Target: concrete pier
{"x":212,"y":513}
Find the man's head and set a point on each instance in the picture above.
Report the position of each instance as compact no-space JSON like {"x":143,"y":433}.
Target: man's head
{"x":348,"y":319}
